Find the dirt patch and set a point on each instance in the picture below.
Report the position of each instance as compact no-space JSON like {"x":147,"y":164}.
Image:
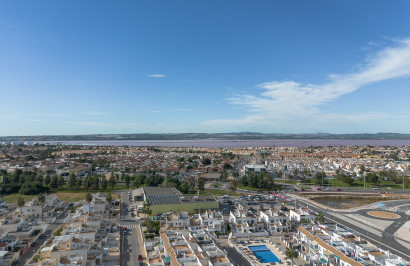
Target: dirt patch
{"x":71,"y":197}
{"x":350,"y":200}
{"x":383,"y":214}
{"x":396,"y":196}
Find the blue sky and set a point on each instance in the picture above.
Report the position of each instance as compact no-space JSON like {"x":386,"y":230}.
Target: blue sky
{"x":86,"y":67}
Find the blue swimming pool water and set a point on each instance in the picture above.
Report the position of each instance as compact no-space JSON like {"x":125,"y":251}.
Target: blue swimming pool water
{"x":264,"y":254}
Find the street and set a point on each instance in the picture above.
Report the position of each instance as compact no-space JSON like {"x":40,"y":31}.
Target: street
{"x":131,"y":240}
{"x":383,"y":239}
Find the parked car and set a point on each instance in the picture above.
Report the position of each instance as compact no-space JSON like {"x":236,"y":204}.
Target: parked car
{"x":318,"y":188}
{"x":338,"y":189}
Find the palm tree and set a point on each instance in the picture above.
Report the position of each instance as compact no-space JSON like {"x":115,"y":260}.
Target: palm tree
{"x":109,"y":198}
{"x":42,"y":199}
{"x":291,"y":253}
{"x":127,"y":181}
{"x":320,"y":218}
{"x":146,"y":208}
{"x":88,"y":198}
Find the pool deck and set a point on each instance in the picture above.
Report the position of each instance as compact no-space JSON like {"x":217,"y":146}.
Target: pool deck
{"x":243,"y":248}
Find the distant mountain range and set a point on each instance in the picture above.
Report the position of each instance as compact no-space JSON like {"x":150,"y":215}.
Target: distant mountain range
{"x":193,"y":136}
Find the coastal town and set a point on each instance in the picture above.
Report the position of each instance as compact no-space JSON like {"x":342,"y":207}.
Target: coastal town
{"x":128,"y":205}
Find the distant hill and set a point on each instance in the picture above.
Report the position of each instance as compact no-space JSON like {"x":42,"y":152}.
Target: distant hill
{"x":193,"y":136}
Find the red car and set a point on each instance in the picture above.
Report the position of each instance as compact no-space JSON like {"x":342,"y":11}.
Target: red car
{"x":318,"y":188}
{"x":338,"y":189}
{"x":124,"y":228}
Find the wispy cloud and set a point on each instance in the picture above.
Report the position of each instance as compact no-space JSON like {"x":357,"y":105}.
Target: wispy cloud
{"x":157,"y":76}
{"x":295,"y":102}
{"x":156,"y":111}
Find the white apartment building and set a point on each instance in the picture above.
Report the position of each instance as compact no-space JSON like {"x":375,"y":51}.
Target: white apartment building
{"x":276,"y":221}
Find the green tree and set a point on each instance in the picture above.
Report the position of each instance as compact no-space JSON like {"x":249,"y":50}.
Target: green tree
{"x":127,"y":181}
{"x":61,"y":181}
{"x":146,"y":208}
{"x":47,"y":180}
{"x":206,"y":161}
{"x":20,"y":201}
{"x":96,"y":182}
{"x":87,"y":183}
{"x":72,"y":181}
{"x":320,"y":218}
{"x":347,"y":180}
{"x":78,"y":183}
{"x":109,"y":198}
{"x":104,"y":183}
{"x":139,"y":180}
{"x":227,"y":166}
{"x":291,"y":253}
{"x":191,"y":183}
{"x":201,"y":183}
{"x":54,"y":181}
{"x":372,"y":178}
{"x":112,"y":180}
{"x":40,"y":178}
{"x":88,"y":197}
{"x":233,"y":185}
{"x":42,"y":198}
{"x":184,"y":187}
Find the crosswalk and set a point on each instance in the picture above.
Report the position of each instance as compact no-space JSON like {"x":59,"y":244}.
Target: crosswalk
{"x":130,"y":226}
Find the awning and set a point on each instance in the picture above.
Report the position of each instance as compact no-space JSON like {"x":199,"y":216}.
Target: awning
{"x":337,"y":256}
{"x":167,"y":259}
{"x":323,"y":260}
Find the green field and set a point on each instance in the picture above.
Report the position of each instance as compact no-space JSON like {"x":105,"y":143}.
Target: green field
{"x":12,"y":198}
{"x":216,"y":192}
{"x":64,"y":196}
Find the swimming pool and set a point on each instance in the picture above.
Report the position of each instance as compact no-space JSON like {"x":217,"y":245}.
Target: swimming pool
{"x":264,"y":254}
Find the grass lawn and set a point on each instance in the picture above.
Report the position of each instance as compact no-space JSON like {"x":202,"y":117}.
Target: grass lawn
{"x":286,"y":181}
{"x":12,"y":198}
{"x":64,"y":196}
{"x":217,"y":192}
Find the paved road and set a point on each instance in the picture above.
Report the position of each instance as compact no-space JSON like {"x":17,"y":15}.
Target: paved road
{"x":47,"y":234}
{"x":130,"y":242}
{"x":402,"y":206}
{"x":236,"y":258}
{"x":379,"y":238}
